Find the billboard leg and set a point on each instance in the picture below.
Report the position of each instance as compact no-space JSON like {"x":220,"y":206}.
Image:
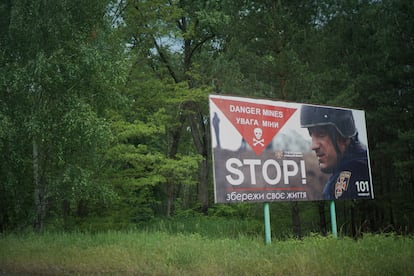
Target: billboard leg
{"x":267,"y":222}
{"x":333,"y":218}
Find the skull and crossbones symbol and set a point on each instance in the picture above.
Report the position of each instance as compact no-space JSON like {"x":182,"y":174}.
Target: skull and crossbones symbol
{"x":258,"y":134}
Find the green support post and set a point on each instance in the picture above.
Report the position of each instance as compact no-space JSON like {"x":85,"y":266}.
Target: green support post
{"x":333,"y":219}
{"x":268,"y":239}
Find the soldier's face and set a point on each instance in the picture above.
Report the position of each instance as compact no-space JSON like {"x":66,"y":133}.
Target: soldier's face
{"x":324,"y":149}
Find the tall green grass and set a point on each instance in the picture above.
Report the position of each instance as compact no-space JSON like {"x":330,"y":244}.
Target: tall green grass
{"x":162,"y":253}
{"x":206,"y":226}
{"x":211,"y":227}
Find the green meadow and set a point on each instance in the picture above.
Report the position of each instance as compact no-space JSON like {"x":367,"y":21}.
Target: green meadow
{"x":144,"y":252}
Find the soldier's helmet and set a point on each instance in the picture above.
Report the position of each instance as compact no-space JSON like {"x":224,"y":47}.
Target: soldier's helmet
{"x":341,"y":119}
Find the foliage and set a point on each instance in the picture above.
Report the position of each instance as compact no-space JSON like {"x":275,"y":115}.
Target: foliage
{"x":55,"y":86}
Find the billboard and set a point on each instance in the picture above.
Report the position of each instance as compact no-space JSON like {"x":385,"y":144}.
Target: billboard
{"x":265,"y":151}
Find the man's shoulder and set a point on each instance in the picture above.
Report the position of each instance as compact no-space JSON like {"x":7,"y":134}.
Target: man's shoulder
{"x":355,"y":162}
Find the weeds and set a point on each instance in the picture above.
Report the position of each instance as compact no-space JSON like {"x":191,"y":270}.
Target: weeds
{"x":162,"y":253}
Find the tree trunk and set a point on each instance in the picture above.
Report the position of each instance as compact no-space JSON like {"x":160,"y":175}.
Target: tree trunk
{"x":172,"y":152}
{"x":203,"y":185}
{"x":170,"y":197}
{"x":65,"y":213}
{"x":322,"y":218}
{"x":353,"y":224}
{"x":199,"y":134}
{"x":39,"y":190}
{"x":297,"y":231}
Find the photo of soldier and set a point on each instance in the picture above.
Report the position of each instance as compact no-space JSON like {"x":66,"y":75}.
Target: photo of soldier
{"x":339,"y":152}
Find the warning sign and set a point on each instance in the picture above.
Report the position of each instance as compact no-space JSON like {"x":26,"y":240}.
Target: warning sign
{"x":264,"y":151}
{"x":257,"y":123}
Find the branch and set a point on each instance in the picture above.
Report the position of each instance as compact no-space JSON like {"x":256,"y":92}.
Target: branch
{"x":164,"y":60}
{"x":201,"y":43}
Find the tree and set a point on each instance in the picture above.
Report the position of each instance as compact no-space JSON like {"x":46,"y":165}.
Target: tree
{"x":55,"y":87}
{"x":173,"y":34}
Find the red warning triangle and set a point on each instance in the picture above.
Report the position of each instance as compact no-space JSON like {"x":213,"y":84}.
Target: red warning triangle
{"x":257,"y":123}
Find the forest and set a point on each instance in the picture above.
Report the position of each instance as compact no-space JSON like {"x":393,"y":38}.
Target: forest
{"x":104,"y":117}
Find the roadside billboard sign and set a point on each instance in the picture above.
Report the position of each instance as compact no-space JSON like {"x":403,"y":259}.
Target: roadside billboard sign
{"x":265,"y":151}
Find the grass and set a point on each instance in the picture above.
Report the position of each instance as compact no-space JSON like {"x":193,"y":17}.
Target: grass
{"x":162,"y":253}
